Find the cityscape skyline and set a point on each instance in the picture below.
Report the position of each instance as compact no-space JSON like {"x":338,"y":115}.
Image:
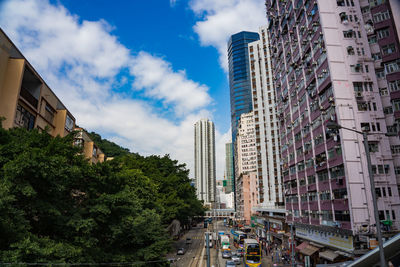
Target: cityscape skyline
{"x":118,"y":83}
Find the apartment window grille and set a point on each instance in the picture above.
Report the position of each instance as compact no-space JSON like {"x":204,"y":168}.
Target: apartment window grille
{"x":383,"y":33}
{"x":357,"y":68}
{"x":391,"y":67}
{"x":388,"y":49}
{"x":381,"y":16}
{"x":326,"y":215}
{"x":395,"y":149}
{"x":394,"y":86}
{"x":323,"y":176}
{"x":313,"y":196}
{"x":311,"y":179}
{"x":340,"y":193}
{"x":325,"y":195}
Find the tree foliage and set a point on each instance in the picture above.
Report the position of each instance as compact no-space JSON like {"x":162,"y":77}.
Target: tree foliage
{"x":110,"y":149}
{"x":56,"y":207}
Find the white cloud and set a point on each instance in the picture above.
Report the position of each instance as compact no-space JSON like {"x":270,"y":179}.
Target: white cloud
{"x":218,"y":20}
{"x":160,"y":81}
{"x":83,"y":61}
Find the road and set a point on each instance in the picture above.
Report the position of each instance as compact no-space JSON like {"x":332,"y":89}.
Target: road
{"x":196,"y":256}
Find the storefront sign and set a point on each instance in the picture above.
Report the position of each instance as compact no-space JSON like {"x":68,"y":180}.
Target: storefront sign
{"x":326,"y":238}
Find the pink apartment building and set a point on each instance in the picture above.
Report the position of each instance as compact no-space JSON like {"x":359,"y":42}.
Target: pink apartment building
{"x":327,"y":68}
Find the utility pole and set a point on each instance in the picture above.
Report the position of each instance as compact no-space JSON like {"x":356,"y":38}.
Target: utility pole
{"x":208,"y":249}
{"x":292,"y":240}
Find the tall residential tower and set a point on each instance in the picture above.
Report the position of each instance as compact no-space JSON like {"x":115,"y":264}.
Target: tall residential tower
{"x":204,"y":164}
{"x":325,"y":70}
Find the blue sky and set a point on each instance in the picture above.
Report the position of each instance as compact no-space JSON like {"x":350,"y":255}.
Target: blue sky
{"x":140,"y":73}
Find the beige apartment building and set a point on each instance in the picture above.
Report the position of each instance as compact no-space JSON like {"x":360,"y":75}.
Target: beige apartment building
{"x":27,"y":101}
{"x":246,"y":168}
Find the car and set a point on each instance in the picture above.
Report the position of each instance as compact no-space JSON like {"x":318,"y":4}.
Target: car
{"x":226,"y":254}
{"x":230,"y":264}
{"x":180,"y":251}
{"x":236,"y":259}
{"x":188,"y":240}
{"x":240,"y":252}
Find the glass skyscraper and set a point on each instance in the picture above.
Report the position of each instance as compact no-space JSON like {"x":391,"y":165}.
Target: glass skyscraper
{"x":239,"y":76}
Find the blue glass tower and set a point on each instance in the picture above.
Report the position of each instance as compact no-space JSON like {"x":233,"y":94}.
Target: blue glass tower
{"x":239,"y":76}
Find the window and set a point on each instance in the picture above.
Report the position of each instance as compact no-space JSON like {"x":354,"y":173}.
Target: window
{"x":381,"y":215}
{"x":388,"y":110}
{"x":350,"y":50}
{"x":377,"y":56}
{"x":349,"y":34}
{"x":24,"y":118}
{"x":69,"y":123}
{"x":373,"y":147}
{"x":356,"y":68}
{"x":365,"y":127}
{"x":383,"y":33}
{"x":342,"y":215}
{"x":393,"y":215}
{"x":396,"y":105}
{"x":378,"y":192}
{"x":394,"y":86}
{"x":358,"y":86}
{"x":395,"y":149}
{"x":380,"y":73}
{"x":388,"y":49}
{"x":383,"y":91}
{"x":396,"y":171}
{"x":371,"y":39}
{"x":391,"y":67}
{"x":381,"y":16}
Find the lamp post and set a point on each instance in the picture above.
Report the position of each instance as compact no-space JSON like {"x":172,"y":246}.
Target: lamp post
{"x":335,"y":126}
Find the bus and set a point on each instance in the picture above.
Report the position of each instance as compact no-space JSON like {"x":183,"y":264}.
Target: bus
{"x":252,"y":253}
{"x":225,"y":242}
{"x":238,"y":238}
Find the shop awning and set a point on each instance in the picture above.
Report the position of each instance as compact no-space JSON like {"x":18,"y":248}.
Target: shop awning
{"x":301,"y":246}
{"x":309,"y":250}
{"x":328,"y":254}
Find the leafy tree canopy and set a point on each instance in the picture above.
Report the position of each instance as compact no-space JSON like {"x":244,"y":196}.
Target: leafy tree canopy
{"x":56,"y":207}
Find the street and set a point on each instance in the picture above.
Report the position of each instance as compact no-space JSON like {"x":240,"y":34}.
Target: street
{"x":196,"y":254}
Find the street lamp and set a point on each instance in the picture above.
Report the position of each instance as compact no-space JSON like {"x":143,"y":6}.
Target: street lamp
{"x":334,"y":126}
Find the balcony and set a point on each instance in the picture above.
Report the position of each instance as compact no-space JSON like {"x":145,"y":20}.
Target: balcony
{"x":25,"y":94}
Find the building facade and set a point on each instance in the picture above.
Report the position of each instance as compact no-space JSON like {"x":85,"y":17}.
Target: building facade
{"x":266,"y":126}
{"x":239,"y":76}
{"x":25,"y":99}
{"x":324,"y":70}
{"x":89,"y":149}
{"x":204,"y":164}
{"x":246,"y":167}
{"x":229,"y":168}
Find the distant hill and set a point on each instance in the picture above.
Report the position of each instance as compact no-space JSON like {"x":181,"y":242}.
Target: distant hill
{"x":110,"y":149}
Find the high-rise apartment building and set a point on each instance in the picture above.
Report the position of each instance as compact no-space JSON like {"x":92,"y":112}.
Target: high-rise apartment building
{"x":324,"y":70}
{"x":246,"y":167}
{"x":266,"y":126}
{"x":239,"y":76}
{"x":204,"y":161}
{"x":229,"y":168}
